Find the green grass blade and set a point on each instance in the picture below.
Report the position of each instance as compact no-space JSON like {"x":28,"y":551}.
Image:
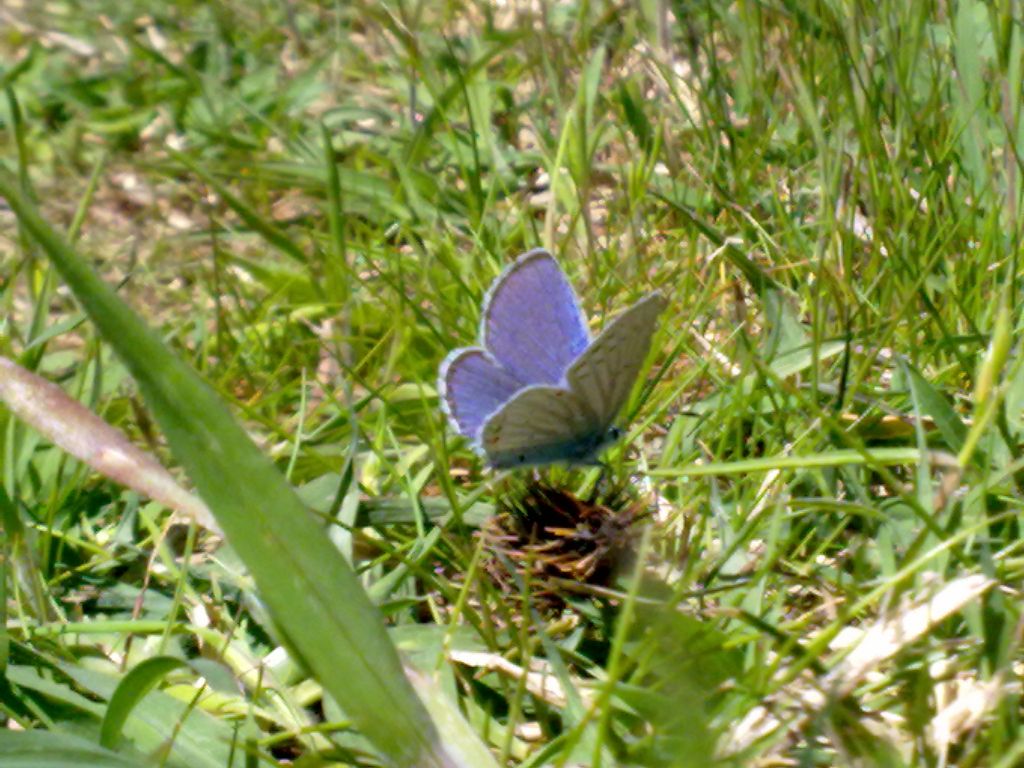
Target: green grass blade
{"x":32,"y":749}
{"x":934,"y":404}
{"x":841,"y":458}
{"x":273,"y":235}
{"x":308,"y":586}
{"x":132,"y":688}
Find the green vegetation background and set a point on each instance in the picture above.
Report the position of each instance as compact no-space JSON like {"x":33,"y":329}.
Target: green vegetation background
{"x":307,"y":203}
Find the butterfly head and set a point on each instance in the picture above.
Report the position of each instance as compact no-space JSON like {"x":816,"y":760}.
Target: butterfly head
{"x":613,"y":435}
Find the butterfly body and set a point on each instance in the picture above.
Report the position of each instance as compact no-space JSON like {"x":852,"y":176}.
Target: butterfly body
{"x":538,"y":390}
{"x":576,"y":450}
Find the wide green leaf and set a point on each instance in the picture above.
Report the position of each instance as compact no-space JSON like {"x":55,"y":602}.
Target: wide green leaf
{"x":933,"y":403}
{"x":307,"y":585}
{"x":50,"y":749}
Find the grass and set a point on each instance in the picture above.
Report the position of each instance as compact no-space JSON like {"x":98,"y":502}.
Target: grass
{"x":306,"y":205}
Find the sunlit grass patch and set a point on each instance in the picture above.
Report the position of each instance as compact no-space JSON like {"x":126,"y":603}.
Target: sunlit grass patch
{"x":815,"y":558}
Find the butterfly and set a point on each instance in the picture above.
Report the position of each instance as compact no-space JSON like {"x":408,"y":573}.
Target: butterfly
{"x":538,"y":389}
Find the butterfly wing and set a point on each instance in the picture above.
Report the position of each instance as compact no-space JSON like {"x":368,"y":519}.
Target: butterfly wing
{"x":511,"y":396}
{"x":604,"y":374}
{"x":472,"y":386}
{"x":540,"y":425}
{"x":532,"y":324}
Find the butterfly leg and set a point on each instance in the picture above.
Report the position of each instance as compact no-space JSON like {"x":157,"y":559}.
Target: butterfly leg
{"x":602,"y":484}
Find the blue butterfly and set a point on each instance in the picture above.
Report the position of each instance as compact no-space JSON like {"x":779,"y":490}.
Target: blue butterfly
{"x":538,"y":390}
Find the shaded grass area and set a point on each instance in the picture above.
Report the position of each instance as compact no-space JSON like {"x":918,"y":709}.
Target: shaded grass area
{"x":309,"y":204}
